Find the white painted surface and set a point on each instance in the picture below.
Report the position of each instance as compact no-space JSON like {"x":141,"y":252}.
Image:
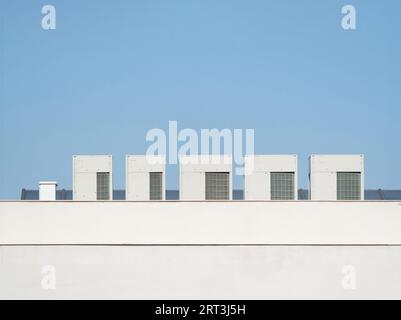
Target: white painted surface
{"x":84,"y":175}
{"x":138,"y":168}
{"x":192,"y":174}
{"x":263,"y":272}
{"x":221,"y":222}
{"x":323,"y":174}
{"x":47,"y":190}
{"x":257,"y":174}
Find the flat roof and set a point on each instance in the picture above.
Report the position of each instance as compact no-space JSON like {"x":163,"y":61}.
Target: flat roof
{"x":303,"y":194}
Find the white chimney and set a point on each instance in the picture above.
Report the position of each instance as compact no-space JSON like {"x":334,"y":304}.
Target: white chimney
{"x":47,"y":190}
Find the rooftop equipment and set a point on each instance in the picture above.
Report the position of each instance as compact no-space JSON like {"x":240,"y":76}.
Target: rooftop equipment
{"x":271,"y":177}
{"x":92,"y":177}
{"x":145,"y":177}
{"x":336,"y":177}
{"x":47,"y":190}
{"x":205,"y":177}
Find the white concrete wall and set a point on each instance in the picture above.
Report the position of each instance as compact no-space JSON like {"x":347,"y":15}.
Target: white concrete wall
{"x":323,"y":174}
{"x":138,"y":168}
{"x":84,"y":175}
{"x":183,"y":272}
{"x":192,"y":174}
{"x":207,"y":250}
{"x":257,"y":174}
{"x":206,"y":222}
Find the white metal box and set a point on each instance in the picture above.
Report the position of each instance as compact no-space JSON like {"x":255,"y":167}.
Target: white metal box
{"x":258,"y":174}
{"x":138,"y":169}
{"x":85,"y":170}
{"x":47,"y":190}
{"x":193,"y":171}
{"x":324,"y":171}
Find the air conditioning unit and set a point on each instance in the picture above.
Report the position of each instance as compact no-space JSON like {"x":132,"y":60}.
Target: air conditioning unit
{"x":205,"y":177}
{"x":336,"y":177}
{"x":145,"y":177}
{"x":271,"y":177}
{"x":92,"y":177}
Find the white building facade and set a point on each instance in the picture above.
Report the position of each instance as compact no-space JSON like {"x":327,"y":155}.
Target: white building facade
{"x":200,"y":250}
{"x":203,"y":249}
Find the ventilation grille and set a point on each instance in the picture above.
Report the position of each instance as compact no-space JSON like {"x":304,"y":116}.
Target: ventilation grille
{"x":156,"y":186}
{"x":103,"y":185}
{"x":282,"y":185}
{"x":348,"y":186}
{"x":217,"y":186}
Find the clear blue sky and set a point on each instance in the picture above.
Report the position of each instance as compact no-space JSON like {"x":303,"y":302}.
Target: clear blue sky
{"x":112,"y":70}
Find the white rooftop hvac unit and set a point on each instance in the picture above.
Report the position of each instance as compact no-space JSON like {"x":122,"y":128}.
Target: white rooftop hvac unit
{"x":270,"y":177}
{"x":145,"y":177}
{"x":336,"y":177}
{"x":205,"y":177}
{"x":92,"y":178}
